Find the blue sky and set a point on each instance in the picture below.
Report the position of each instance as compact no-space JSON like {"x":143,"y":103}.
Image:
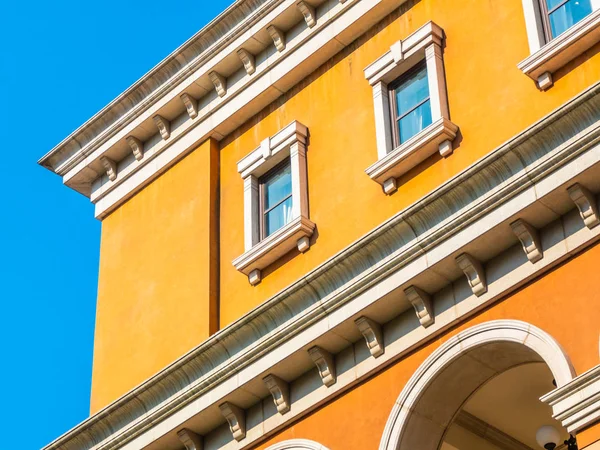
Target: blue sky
{"x":61,"y":62}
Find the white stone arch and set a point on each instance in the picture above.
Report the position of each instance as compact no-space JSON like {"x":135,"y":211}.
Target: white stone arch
{"x":441,"y":385}
{"x":297,"y":444}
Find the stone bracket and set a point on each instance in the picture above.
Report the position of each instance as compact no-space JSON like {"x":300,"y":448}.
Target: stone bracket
{"x":325,"y":363}
{"x":248,"y":60}
{"x":529,"y":238}
{"x":422,"y":303}
{"x":136,"y":146}
{"x":278,"y":37}
{"x":586,"y":204}
{"x":390,"y":186}
{"x":236,"y":417}
{"x":219,"y":82}
{"x":191,"y":105}
{"x":163,"y":125}
{"x":373,"y":335}
{"x":308,"y":11}
{"x":254,"y":277}
{"x":191,"y":440}
{"x":280,"y":390}
{"x":474,"y":272}
{"x":110,"y":167}
{"x":303,"y":244}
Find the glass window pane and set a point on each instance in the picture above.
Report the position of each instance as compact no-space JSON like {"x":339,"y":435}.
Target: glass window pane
{"x":568,"y":14}
{"x":412,"y":91}
{"x":278,"y":186}
{"x":278,"y":217}
{"x":414,"y":122}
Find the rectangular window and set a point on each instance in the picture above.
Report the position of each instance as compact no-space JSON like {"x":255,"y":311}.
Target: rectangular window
{"x":411,"y":108}
{"x":560,"y":15}
{"x":276,"y":198}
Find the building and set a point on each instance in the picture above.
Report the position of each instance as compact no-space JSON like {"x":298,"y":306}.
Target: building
{"x":354,"y":224}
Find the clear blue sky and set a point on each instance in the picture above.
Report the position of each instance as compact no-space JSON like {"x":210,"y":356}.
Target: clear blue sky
{"x":61,"y":62}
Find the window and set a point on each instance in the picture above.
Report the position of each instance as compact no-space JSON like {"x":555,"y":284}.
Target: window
{"x":411,"y":106}
{"x":558,"y":31}
{"x":560,"y":15}
{"x":412,"y":119}
{"x":275,"y":201}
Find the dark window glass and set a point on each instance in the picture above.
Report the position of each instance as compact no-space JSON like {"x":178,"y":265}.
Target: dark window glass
{"x":412,"y":107}
{"x":563,"y":14}
{"x":276,"y":207}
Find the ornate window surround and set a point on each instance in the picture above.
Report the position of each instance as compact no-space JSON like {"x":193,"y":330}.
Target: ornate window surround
{"x":547,"y":56}
{"x":290,"y":142}
{"x":426,"y":43}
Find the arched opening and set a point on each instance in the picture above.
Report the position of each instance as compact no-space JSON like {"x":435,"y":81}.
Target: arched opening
{"x":472,"y":386}
{"x":297,"y":444}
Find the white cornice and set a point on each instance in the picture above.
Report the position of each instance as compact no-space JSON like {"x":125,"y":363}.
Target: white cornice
{"x":518,"y":174}
{"x":221,"y":106}
{"x":577,"y":403}
{"x":232,"y":22}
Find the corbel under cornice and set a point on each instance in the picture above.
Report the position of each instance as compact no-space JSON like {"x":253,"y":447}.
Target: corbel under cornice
{"x":519,"y":173}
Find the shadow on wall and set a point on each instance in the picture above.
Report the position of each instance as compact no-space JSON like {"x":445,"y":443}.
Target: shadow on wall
{"x":575,"y":63}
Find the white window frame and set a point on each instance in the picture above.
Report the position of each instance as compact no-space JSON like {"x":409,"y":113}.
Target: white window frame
{"x":424,"y":44}
{"x":290,"y":143}
{"x":547,"y":57}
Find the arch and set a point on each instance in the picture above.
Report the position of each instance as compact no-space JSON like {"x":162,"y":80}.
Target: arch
{"x":446,"y":379}
{"x":297,"y":444}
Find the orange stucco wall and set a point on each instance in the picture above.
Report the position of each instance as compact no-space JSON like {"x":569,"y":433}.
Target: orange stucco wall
{"x":157,"y":293}
{"x":489,"y":98}
{"x":542,"y":303}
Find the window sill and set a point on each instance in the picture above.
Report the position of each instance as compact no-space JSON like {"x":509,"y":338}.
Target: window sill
{"x":436,"y":137}
{"x":295,"y":234}
{"x":559,"y":51}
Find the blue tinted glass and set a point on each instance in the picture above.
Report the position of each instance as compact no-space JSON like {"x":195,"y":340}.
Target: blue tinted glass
{"x":412,"y":91}
{"x":278,"y":216}
{"x":278,"y":187}
{"x":414,"y":121}
{"x":568,"y":14}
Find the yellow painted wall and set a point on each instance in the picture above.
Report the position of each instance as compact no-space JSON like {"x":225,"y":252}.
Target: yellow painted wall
{"x":489,"y":98}
{"x":157,"y":293}
{"x":542,"y":303}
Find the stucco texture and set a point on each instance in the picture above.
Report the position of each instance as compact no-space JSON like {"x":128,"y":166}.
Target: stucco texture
{"x":356,"y":420}
{"x":158,"y":292}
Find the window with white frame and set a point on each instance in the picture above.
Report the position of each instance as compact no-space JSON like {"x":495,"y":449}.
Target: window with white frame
{"x":558,"y":31}
{"x":410,"y":104}
{"x":276,"y":216}
{"x":412,"y":120}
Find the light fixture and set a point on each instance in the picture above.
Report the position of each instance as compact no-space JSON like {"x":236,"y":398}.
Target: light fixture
{"x":547,"y":437}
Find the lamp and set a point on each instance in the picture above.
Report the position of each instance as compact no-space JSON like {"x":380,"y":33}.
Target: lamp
{"x":547,"y":437}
